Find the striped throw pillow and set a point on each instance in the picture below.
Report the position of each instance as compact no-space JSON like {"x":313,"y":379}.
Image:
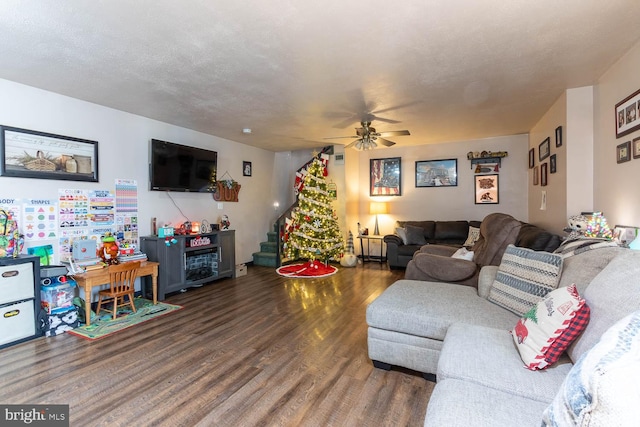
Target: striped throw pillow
{"x":524,"y":277}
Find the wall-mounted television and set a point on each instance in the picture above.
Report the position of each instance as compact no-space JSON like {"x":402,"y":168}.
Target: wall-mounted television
{"x":175,"y":167}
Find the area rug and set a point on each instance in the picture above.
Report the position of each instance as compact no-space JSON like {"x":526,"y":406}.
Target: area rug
{"x":103,"y":325}
{"x":309,"y":269}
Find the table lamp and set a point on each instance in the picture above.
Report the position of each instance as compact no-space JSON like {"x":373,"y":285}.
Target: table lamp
{"x":376,"y":208}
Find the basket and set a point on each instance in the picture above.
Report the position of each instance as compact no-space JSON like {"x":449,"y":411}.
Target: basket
{"x":40,"y":163}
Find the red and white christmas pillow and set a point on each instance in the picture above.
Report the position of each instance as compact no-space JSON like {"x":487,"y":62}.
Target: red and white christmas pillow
{"x":545,"y":331}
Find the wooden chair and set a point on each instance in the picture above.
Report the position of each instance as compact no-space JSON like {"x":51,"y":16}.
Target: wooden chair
{"x":122,"y":283}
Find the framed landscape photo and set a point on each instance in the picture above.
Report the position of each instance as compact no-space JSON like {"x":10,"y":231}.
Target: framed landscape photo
{"x":32,"y":154}
{"x":487,"y":189}
{"x":385,"y":177}
{"x":437,"y":173}
{"x":544,"y":149}
{"x":628,"y":114}
{"x":623,"y":152}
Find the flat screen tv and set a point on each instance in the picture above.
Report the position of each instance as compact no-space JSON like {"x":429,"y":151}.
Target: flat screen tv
{"x":175,"y":167}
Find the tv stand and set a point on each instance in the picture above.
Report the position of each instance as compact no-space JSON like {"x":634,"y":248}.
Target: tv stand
{"x":194,"y":260}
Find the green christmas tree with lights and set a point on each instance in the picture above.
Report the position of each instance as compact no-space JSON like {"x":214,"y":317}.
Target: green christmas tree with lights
{"x":312,"y":232}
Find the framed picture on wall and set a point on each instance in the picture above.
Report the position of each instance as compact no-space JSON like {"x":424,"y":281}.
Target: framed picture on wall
{"x":623,"y":152}
{"x":437,"y":173}
{"x":487,"y":189}
{"x":535,"y":176}
{"x":32,"y":154}
{"x":544,"y":149}
{"x":552,"y":163}
{"x":246,"y":168}
{"x":532,"y":158}
{"x":636,"y":148}
{"x":559,"y":136}
{"x":385,"y":177}
{"x":628,"y":114}
{"x":543,"y":174}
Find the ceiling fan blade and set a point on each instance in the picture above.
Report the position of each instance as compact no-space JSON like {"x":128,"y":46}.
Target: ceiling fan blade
{"x":352,"y":143}
{"x":385,"y":142}
{"x":382,"y":119}
{"x":396,"y":107}
{"x":394,"y":133}
{"x":342,"y":137}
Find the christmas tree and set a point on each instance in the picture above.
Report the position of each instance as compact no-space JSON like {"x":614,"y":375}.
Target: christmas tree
{"x":312,"y":232}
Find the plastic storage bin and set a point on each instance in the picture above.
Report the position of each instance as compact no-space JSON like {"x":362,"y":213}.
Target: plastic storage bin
{"x":57,"y":295}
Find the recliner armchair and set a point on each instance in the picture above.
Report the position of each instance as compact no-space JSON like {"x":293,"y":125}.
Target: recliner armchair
{"x":434,"y":262}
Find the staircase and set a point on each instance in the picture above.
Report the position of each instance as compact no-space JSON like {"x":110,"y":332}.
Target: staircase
{"x":268,"y":255}
{"x":271,"y":251}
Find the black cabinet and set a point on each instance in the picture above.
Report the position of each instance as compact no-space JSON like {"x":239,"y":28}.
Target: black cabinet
{"x":190,"y":260}
{"x":20,"y":310}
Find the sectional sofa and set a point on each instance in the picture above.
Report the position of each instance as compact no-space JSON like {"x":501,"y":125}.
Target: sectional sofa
{"x":455,"y":335}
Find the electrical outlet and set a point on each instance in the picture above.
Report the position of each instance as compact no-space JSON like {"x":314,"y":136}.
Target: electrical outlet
{"x":220,"y":206}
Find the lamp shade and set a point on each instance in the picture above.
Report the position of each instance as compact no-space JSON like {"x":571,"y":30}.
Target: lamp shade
{"x":376,"y":208}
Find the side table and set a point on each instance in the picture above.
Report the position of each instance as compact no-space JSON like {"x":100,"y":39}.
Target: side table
{"x":368,"y":257}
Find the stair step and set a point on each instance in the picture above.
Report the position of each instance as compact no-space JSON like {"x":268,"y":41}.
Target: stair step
{"x":269,"y":247}
{"x":265,"y":259}
{"x":272,"y":236}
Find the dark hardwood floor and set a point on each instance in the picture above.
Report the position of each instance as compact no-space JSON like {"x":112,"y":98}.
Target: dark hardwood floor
{"x":257,"y":350}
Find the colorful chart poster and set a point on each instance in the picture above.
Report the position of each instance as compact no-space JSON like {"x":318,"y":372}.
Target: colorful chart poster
{"x":73,"y":208}
{"x":101,"y":208}
{"x":127,"y":196}
{"x":127,"y":213}
{"x":40,"y":220}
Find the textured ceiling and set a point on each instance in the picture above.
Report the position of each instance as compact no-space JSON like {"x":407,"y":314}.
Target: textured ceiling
{"x":298,"y":71}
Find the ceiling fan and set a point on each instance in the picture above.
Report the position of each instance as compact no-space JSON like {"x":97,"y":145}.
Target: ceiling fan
{"x":368,"y":138}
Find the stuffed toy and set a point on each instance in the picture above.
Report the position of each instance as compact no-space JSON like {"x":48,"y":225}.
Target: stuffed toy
{"x":108,"y":251}
{"x":577,"y":227}
{"x":349,"y":258}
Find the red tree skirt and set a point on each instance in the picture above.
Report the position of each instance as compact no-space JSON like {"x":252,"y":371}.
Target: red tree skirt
{"x":308,"y":269}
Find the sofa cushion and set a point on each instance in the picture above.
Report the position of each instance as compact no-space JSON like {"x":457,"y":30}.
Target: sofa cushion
{"x":487,"y":356}
{"x":613,"y":294}
{"x":425,"y":309}
{"x":545,"y":331}
{"x":524,"y":277}
{"x":534,"y":237}
{"x":461,"y":403}
{"x":581,"y":268}
{"x":402,"y":233}
{"x":428,"y":227}
{"x":451,"y":231}
{"x":415,"y":235}
{"x":472,"y":236}
{"x":602,"y":388}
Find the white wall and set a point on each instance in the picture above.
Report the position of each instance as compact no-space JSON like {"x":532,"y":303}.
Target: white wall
{"x":442,"y":203}
{"x":123,"y":154}
{"x":615,"y":191}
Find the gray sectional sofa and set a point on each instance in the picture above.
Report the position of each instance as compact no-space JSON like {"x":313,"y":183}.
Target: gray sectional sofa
{"x":453,"y":334}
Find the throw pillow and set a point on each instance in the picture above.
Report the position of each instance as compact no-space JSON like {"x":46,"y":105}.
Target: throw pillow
{"x":545,"y":331}
{"x":463,"y":253}
{"x":524,"y":277}
{"x":602,"y":387}
{"x":472,"y":238}
{"x":415,"y":235}
{"x":402,"y":233}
